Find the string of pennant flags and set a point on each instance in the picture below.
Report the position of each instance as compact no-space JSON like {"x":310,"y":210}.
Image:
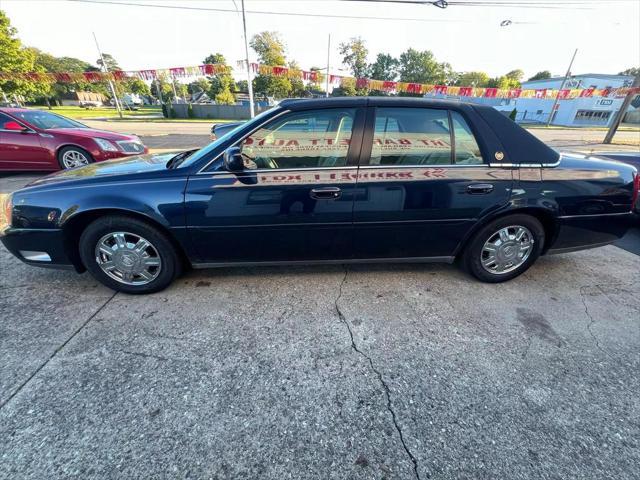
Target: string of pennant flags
{"x":314,"y":76}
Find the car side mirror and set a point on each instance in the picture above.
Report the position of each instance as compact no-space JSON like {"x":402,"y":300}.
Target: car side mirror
{"x":233,"y":161}
{"x":14,"y":127}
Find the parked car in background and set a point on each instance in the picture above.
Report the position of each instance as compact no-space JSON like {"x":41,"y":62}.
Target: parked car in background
{"x":338,"y":180}
{"x":40,"y":140}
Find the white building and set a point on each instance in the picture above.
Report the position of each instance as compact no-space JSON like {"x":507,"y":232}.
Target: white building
{"x":588,"y":111}
{"x":577,"y":112}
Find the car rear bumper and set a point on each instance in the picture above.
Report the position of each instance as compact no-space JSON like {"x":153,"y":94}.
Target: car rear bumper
{"x":590,"y":231}
{"x":39,"y":247}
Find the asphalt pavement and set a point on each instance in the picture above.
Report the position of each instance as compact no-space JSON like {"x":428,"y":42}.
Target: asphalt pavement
{"x":407,"y":371}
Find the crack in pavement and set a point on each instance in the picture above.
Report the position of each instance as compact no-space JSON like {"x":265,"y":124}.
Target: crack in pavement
{"x":55,"y":352}
{"x":592,"y":321}
{"x":385,"y":387}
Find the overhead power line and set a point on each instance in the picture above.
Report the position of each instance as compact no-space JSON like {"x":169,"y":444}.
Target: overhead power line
{"x":266,"y":12}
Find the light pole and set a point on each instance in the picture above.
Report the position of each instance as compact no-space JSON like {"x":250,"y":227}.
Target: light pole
{"x":328,"y":66}
{"x":566,"y":77}
{"x":106,"y":69}
{"x":246,"y":54}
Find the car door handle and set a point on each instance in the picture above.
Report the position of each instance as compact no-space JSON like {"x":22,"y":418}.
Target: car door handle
{"x":327,"y":193}
{"x":479,"y":188}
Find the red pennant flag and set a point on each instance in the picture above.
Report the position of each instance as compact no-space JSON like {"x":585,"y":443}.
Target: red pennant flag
{"x":389,"y":86}
{"x":514,"y":93}
{"x":440,"y":89}
{"x":177,"y":72}
{"x":587,"y":92}
{"x":362,"y":83}
{"x":414,"y":88}
{"x":466,"y":91}
{"x":491,"y":92}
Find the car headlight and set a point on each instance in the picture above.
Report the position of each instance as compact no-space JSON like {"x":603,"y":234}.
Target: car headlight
{"x":106,"y":145}
{"x":6,"y":206}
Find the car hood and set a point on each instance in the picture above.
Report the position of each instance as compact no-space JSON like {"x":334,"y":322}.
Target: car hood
{"x":92,"y":133}
{"x":121,"y":167}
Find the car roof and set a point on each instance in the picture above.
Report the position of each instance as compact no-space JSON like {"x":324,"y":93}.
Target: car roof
{"x":304,"y":103}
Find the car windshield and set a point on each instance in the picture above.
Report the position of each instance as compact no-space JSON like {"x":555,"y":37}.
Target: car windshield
{"x":206,"y":149}
{"x":46,"y":120}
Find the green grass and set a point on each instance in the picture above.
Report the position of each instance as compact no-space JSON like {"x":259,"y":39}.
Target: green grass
{"x":79,"y":113}
{"x":111,"y":114}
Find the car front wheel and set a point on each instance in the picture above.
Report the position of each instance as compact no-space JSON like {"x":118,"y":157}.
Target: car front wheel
{"x":72,"y":157}
{"x":128,"y":255}
{"x":504,"y":248}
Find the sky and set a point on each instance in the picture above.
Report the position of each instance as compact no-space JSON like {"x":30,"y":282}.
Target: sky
{"x":606,"y":33}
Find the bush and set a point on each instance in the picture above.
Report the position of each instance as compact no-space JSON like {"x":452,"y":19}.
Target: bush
{"x":190,"y":113}
{"x":513,"y":114}
{"x":165,"y":113}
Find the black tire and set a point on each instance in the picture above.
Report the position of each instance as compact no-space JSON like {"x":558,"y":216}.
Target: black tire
{"x":71,"y":149}
{"x":170,"y":265}
{"x":473,"y":254}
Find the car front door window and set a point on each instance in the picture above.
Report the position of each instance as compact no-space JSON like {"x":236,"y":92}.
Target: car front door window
{"x":304,"y":140}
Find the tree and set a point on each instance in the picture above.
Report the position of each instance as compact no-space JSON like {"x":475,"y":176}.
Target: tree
{"x":269,"y":47}
{"x":633,"y":71}
{"x":137,"y":86}
{"x":354,"y":55}
{"x":109,"y":61}
{"x":215,"y":58}
{"x":271,"y":51}
{"x":543,"y":75}
{"x":14,"y":58}
{"x":346,"y":89}
{"x":472,"y":79}
{"x":384,"y":68}
{"x":507,"y":81}
{"x":422,"y":67}
{"x":221,"y":85}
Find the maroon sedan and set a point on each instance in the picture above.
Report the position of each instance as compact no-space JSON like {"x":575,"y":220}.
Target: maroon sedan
{"x":40,"y":140}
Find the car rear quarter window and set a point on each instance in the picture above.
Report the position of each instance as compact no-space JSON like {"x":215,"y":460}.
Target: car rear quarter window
{"x":411,"y":136}
{"x":467,"y":151}
{"x":310,"y":139}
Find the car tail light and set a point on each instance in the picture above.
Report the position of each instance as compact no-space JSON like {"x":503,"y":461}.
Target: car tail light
{"x":636,"y":189}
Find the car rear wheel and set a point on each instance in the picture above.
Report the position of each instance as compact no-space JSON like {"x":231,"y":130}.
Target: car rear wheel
{"x":129,"y":255}
{"x":72,"y":157}
{"x":504,"y":248}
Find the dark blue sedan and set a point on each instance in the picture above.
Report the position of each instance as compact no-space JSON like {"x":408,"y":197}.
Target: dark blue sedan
{"x":327,"y":181}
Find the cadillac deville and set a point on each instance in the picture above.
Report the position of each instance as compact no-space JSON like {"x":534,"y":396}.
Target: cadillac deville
{"x":337,"y":180}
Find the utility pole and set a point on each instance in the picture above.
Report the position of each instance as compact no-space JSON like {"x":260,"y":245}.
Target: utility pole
{"x":620,"y":114}
{"x":564,"y":81}
{"x":157,"y":82}
{"x":111,"y":86}
{"x":246,"y":53}
{"x":328,"y":66}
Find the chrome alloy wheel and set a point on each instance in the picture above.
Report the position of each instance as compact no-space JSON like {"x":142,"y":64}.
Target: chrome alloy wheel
{"x":128,"y":258}
{"x":507,"y":249}
{"x":74,"y":158}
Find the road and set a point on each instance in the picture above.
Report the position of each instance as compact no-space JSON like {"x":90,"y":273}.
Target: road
{"x":409,"y":372}
{"x":182,"y":135}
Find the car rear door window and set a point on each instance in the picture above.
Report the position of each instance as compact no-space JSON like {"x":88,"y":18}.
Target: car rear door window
{"x":411,"y":136}
{"x":309,"y":139}
{"x":467,"y":151}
